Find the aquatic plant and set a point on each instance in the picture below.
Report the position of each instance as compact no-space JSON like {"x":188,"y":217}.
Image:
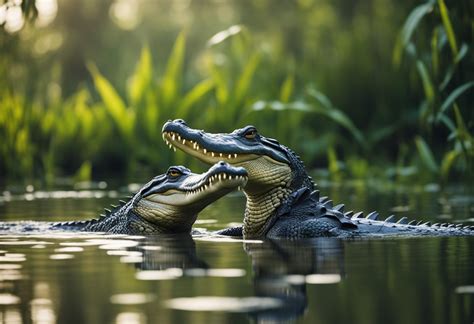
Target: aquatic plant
{"x":441,"y":63}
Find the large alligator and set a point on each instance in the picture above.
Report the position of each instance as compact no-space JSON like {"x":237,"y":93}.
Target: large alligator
{"x":169,"y":203}
{"x":282,"y":200}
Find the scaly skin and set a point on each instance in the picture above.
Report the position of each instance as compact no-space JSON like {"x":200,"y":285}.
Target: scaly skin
{"x":169,"y":203}
{"x":281,"y":197}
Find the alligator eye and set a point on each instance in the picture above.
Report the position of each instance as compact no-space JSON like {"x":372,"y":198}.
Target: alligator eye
{"x":173,"y":173}
{"x":250,"y":133}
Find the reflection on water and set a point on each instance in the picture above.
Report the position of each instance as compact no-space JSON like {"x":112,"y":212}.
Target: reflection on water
{"x":283,"y":268}
{"x":92,"y":278}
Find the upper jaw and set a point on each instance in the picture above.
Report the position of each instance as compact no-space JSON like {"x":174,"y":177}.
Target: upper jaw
{"x":200,"y":189}
{"x":211,"y":148}
{"x":207,"y":147}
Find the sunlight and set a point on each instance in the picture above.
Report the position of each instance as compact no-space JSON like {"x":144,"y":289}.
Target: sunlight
{"x":47,"y":11}
{"x":125,"y":13}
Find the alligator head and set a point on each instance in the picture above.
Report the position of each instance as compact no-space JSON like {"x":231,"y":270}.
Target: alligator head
{"x":274,"y":171}
{"x":172,"y":201}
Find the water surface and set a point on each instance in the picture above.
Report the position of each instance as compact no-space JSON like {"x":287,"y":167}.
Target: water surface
{"x":84,"y":278}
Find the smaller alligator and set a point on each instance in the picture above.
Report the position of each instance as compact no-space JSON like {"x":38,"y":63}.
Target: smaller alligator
{"x":169,"y":203}
{"x":282,"y":200}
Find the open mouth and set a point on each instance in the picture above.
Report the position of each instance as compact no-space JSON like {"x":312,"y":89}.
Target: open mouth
{"x":175,"y":140}
{"x":218,"y":180}
{"x":199,"y":188}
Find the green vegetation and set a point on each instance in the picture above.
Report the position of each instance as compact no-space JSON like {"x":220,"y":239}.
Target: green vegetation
{"x":324,"y":83}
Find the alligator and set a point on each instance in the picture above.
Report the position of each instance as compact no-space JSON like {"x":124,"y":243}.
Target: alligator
{"x":169,"y":203}
{"x":282,"y":199}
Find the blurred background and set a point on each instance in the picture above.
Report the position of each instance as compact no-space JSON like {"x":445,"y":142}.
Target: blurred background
{"x":360,"y":89}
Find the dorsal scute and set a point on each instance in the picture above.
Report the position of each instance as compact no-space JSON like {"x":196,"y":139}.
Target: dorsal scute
{"x":391,"y":219}
{"x":349,"y":214}
{"x":359,"y":215}
{"x":328,"y":204}
{"x":339,"y":208}
{"x":403,"y":220}
{"x":373,"y":215}
{"x":315,"y":194}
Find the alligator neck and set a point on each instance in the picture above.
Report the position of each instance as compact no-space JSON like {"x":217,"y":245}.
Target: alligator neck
{"x":166,"y":217}
{"x":260,"y":212}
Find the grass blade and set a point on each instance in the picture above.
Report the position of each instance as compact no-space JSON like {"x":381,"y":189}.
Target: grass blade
{"x":448,"y":162}
{"x":245,"y":79}
{"x":172,"y":77}
{"x":287,"y":88}
{"x":455,"y":94}
{"x":194,"y":95}
{"x":114,"y":104}
{"x":426,"y":155}
{"x":141,"y":78}
{"x":337,"y":115}
{"x":408,"y":28}
{"x":428,"y":87}
{"x":448,"y":27}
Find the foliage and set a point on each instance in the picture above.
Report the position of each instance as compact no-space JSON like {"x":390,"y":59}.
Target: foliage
{"x":326,"y":97}
{"x":443,"y":81}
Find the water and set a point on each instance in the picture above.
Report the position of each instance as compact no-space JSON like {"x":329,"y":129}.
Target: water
{"x":77,"y":278}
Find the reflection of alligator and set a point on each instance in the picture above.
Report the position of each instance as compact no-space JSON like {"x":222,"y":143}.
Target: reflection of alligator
{"x":280,"y":268}
{"x":167,"y":204}
{"x":161,"y":252}
{"x":281,"y":197}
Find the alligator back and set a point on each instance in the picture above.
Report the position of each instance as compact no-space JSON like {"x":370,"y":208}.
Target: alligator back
{"x":309,"y":215}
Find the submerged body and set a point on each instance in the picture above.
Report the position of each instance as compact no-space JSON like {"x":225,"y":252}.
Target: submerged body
{"x":169,"y":203}
{"x":281,"y":197}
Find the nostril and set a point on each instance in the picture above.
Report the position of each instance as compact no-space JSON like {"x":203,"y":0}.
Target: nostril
{"x":323,"y":210}
{"x":181,"y":121}
{"x":221,"y":163}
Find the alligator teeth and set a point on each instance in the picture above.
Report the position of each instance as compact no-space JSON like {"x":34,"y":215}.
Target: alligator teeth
{"x":173,"y":137}
{"x":238,"y":188}
{"x":224,"y":176}
{"x":230,"y":156}
{"x":184,"y":141}
{"x":235,"y":155}
{"x":205,"y":151}
{"x":212,"y":154}
{"x":220,"y":154}
{"x":179,"y":138}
